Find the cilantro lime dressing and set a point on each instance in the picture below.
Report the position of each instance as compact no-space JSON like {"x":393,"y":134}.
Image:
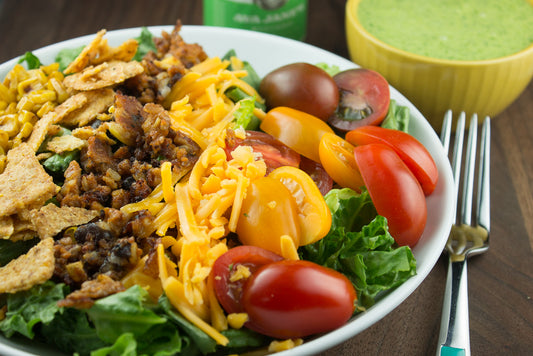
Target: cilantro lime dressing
{"x":451,"y":29}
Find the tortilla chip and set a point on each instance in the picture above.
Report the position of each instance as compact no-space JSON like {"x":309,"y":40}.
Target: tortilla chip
{"x":22,"y":221}
{"x":65,"y":143}
{"x":24,"y":183}
{"x":87,"y":54}
{"x":103,"y":75}
{"x":51,"y":219}
{"x":23,"y":235}
{"x":6,"y":227}
{"x":44,"y":155}
{"x":125,"y":52}
{"x":33,"y":268}
{"x":98,"y":102}
{"x":86,"y":132}
{"x":98,"y":51}
{"x":40,"y":130}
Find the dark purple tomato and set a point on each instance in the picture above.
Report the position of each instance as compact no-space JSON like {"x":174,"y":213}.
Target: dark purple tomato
{"x":364,"y":99}
{"x":301,"y":86}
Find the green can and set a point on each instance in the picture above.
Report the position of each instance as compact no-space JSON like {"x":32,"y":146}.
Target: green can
{"x":287,"y":18}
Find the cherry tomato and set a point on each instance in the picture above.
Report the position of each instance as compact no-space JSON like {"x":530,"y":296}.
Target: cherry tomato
{"x":410,"y":150}
{"x":229,"y":292}
{"x":268,"y":212}
{"x":394,"y":190}
{"x":317,"y":172}
{"x":293,"y":299}
{"x":336,"y":155}
{"x":313,"y":212}
{"x":301,"y":86}
{"x":364,"y":99}
{"x":275,"y":153}
{"x":297,"y":129}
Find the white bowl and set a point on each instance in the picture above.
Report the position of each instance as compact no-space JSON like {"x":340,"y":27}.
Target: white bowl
{"x":266,"y":52}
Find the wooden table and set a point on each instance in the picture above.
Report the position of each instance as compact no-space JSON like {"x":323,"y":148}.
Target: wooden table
{"x":500,"y":281}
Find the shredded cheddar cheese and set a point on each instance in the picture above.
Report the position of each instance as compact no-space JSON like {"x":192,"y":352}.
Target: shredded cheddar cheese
{"x":241,"y":272}
{"x":203,"y":204}
{"x":237,"y":320}
{"x":277,"y":346}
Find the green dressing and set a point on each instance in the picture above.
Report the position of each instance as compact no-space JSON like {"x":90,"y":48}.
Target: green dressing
{"x":451,"y":29}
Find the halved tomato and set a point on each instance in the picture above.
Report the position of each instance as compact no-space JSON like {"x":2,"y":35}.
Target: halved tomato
{"x":410,"y":150}
{"x":394,"y":190}
{"x":274,"y":152}
{"x":318,"y":173}
{"x":229,"y":290}
{"x":336,"y":155}
{"x":364,"y":99}
{"x":297,"y":129}
{"x":313,"y":212}
{"x":268,"y":212}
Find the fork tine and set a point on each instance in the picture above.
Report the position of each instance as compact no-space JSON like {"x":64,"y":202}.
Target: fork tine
{"x":458,"y":151}
{"x":483,"y":194}
{"x":446,"y":131}
{"x":468,"y":188}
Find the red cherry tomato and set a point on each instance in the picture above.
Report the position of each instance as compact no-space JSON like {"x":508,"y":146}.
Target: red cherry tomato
{"x":410,"y":150}
{"x":275,"y":153}
{"x":364,"y":99}
{"x":301,"y":86}
{"x":293,"y":299}
{"x":394,"y":190}
{"x":229,"y":293}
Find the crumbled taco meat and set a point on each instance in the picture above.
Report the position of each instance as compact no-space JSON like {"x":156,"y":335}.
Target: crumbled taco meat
{"x":165,"y":67}
{"x":90,"y":291}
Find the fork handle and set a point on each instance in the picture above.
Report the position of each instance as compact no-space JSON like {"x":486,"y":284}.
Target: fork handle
{"x":454,"y":337}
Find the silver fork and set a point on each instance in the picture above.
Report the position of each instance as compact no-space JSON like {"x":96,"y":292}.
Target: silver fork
{"x":466,"y":239}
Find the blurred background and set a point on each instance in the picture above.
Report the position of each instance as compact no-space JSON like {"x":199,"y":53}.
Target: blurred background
{"x":77,"y":17}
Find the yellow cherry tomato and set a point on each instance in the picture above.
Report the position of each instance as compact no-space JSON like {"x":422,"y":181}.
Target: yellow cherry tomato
{"x":313,"y":213}
{"x":268,"y":212}
{"x":337,"y":158}
{"x":297,"y":129}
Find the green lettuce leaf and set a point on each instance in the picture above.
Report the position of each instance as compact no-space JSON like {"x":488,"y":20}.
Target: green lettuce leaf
{"x":27,"y":308}
{"x":244,"y":116}
{"x":71,"y":332}
{"x":10,"y":250}
{"x":146,"y":44}
{"x":124,"y":312}
{"x":397,"y":117}
{"x":242,"y":340}
{"x":126,"y":345}
{"x":67,"y":56}
{"x":331,"y":69}
{"x":201,"y":340}
{"x":59,"y":162}
{"x":252,"y":78}
{"x":350,"y":210}
{"x":32,"y":62}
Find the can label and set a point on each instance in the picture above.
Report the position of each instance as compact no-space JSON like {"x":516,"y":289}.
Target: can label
{"x":286,"y":18}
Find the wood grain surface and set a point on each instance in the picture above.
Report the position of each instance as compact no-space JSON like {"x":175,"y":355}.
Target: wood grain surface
{"x":500,"y":281}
